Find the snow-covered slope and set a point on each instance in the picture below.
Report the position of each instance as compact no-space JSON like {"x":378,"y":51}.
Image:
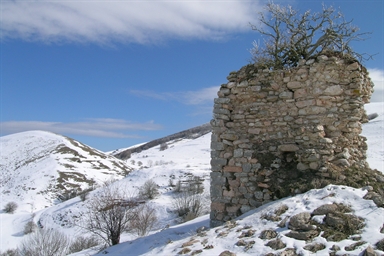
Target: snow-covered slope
{"x":184,"y":238}
{"x":182,"y":159}
{"x":244,"y":236}
{"x":38,"y":167}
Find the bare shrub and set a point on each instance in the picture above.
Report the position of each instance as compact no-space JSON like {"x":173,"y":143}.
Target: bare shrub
{"x":9,"y":252}
{"x":145,"y":219}
{"x":170,"y":183}
{"x":30,"y":227}
{"x":45,"y":242}
{"x":81,"y":243}
{"x":149,"y":190}
{"x":163,"y":146}
{"x":195,"y":184}
{"x":108,"y":213}
{"x":178,"y":186}
{"x":188,"y":205}
{"x":10,"y":207}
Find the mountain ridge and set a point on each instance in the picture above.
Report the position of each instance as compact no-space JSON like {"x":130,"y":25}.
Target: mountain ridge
{"x":191,"y":133}
{"x":49,"y":166}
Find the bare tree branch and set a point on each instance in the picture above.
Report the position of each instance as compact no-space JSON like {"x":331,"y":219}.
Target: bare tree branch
{"x":290,"y":36}
{"x":109,"y":213}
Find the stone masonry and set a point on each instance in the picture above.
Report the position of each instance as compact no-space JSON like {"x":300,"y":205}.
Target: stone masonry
{"x":277,"y":133}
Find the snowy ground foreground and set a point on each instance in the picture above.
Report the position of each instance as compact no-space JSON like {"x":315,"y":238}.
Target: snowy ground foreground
{"x":170,"y":241}
{"x":180,"y":160}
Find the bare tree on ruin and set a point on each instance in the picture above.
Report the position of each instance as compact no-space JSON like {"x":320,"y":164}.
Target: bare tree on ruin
{"x":289,"y":36}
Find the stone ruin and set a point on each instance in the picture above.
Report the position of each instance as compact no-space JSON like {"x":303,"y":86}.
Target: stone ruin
{"x":283,"y":132}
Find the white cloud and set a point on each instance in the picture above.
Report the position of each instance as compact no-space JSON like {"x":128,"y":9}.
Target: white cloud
{"x":109,"y":128}
{"x":377,"y":77}
{"x":199,"y":97}
{"x":124,"y":21}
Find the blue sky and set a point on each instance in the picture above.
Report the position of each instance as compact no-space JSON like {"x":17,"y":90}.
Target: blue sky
{"x":112,"y":74}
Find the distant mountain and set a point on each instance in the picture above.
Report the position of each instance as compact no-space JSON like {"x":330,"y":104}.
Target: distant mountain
{"x":43,"y":166}
{"x":191,"y":133}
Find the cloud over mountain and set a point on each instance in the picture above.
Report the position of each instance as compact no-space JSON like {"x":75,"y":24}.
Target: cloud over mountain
{"x":96,"y":127}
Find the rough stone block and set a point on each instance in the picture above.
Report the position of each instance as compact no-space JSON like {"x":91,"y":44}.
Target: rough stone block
{"x":232,"y":169}
{"x":333,"y":90}
{"x":289,"y":148}
{"x":286,"y":95}
{"x":294,"y":85}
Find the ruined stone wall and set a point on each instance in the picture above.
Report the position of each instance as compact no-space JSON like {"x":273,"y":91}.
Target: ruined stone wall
{"x":277,"y":133}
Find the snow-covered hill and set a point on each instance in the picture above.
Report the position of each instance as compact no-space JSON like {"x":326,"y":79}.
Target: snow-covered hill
{"x":181,"y":160}
{"x":38,"y":168}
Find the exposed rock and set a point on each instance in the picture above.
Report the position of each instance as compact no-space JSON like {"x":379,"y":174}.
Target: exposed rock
{"x":247,"y":233}
{"x":281,"y":209}
{"x":303,"y":235}
{"x":346,"y":223}
{"x":227,"y":253}
{"x":185,"y":251}
{"x":372,"y":116}
{"x":377,"y":199}
{"x":276,"y":244}
{"x":369,"y":252}
{"x":189,"y":243}
{"x":314,"y":247}
{"x":354,"y":246}
{"x":301,"y":222}
{"x":325,"y":209}
{"x":380,"y":245}
{"x":197,"y":252}
{"x":268,"y":234}
{"x":335,"y":248}
{"x":288,"y":252}
{"x":283,"y":222}
{"x":241,"y":242}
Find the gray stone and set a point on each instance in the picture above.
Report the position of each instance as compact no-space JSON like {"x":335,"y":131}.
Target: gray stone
{"x":289,"y":148}
{"x":370,"y":252}
{"x":294,"y":85}
{"x":276,"y":244}
{"x":333,"y":90}
{"x":300,"y":222}
{"x":303,"y":235}
{"x":268,"y":234}
{"x":342,"y":162}
{"x":325,"y":209}
{"x":314,"y":247}
{"x":302,"y":166}
{"x":286,"y":95}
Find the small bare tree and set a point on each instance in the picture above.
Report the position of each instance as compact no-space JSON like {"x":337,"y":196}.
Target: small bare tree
{"x":45,"y":242}
{"x":149,"y":190}
{"x":290,"y":36}
{"x":109,"y":213}
{"x":145,"y":219}
{"x":10,"y":207}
